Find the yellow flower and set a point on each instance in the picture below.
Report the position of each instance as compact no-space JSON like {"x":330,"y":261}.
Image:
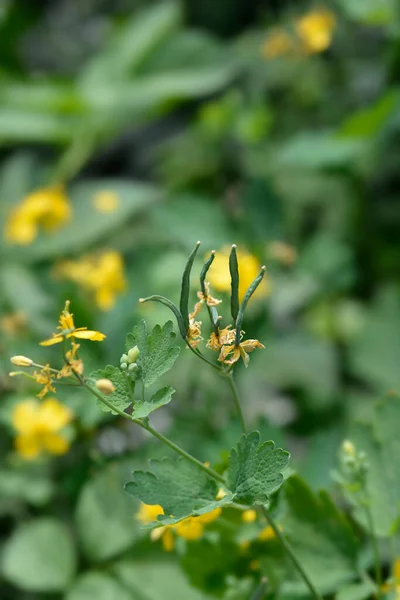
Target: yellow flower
{"x":68,"y":330}
{"x":249,"y":268}
{"x":45,"y":378}
{"x":393,"y":585}
{"x":38,"y":427}
{"x":249,"y":516}
{"x":47,"y":207}
{"x":73,"y":364}
{"x":268,"y":533}
{"x":282,"y":253}
{"x":191,"y":528}
{"x":102,"y":275}
{"x":277,"y":44}
{"x":315,"y":30}
{"x":106,"y":201}
{"x":235,"y":352}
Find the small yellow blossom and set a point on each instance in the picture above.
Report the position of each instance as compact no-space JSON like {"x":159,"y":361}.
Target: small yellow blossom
{"x":38,"y":427}
{"x":268,"y":533}
{"x":206,"y":297}
{"x":348,"y":448}
{"x":68,"y":330}
{"x":191,"y":528}
{"x":249,"y":516}
{"x":101,"y":275}
{"x":249,"y":268}
{"x":45,"y":378}
{"x":47,"y":207}
{"x":106,"y":201}
{"x":73,"y":364}
{"x":278,"y":43}
{"x":282,"y":253}
{"x":21,"y":361}
{"x":393,"y":585}
{"x":231,"y":354}
{"x":315,"y":30}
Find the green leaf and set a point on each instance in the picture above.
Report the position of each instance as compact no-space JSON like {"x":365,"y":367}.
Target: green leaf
{"x":321,"y":538}
{"x":255,"y":469}
{"x":370,"y":121}
{"x":104,"y":515}
{"x":40,"y":557}
{"x":157,"y":354}
{"x":357,"y":591}
{"x":122,"y":397}
{"x":380,"y":441}
{"x":100,"y":586}
{"x":143,"y":408}
{"x":180,"y":487}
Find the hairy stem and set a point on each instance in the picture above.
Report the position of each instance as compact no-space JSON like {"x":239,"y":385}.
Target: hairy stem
{"x":236,"y":400}
{"x":291,"y":554}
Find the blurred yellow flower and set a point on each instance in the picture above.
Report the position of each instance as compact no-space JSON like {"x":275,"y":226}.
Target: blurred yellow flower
{"x":68,"y":330}
{"x":393,"y":585}
{"x":268,"y":533}
{"x":249,"y":268}
{"x":47,"y":207}
{"x":316,"y":29}
{"x":191,"y":528}
{"x":38,"y":427}
{"x":102,"y":275}
{"x":249,"y":516}
{"x":106,"y":201}
{"x":278,"y":43}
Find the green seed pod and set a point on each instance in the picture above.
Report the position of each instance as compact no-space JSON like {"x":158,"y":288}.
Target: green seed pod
{"x":133,"y":354}
{"x":252,"y":288}
{"x":172,"y":307}
{"x":185,"y":288}
{"x":234,"y":271}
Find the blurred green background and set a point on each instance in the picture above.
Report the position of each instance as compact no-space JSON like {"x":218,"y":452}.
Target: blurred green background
{"x":130,"y":130}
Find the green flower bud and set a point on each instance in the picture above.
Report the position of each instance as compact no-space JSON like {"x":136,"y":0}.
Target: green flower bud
{"x":133,"y":354}
{"x":133,"y":368}
{"x":124,"y":366}
{"x":124,"y":358}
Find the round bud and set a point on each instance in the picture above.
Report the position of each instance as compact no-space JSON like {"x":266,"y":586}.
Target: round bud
{"x":124,"y":366}
{"x":124,"y":358}
{"x":21,"y":361}
{"x":105,"y":386}
{"x":133,"y":354}
{"x":348,"y":448}
{"x":133,"y":368}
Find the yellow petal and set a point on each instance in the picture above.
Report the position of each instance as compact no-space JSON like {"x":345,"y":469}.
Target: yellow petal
{"x":54,"y":443}
{"x":168,"y":541}
{"x":25,"y":416}
{"x":56,"y":339}
{"x":27,"y":446}
{"x":148,"y":513}
{"x":190,"y":528}
{"x":88,"y":334}
{"x":249,"y":516}
{"x":210,"y":516}
{"x":53,"y":415}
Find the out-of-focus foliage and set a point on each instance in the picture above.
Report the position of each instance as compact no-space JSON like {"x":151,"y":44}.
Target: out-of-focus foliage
{"x":128,"y":131}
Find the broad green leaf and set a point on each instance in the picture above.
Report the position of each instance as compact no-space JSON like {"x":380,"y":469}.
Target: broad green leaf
{"x":157,"y":353}
{"x":18,"y":125}
{"x":255,"y":469}
{"x":381,"y":443}
{"x":371,"y":12}
{"x":105,"y":515}
{"x":99,"y":586}
{"x":28,"y":485}
{"x":40,"y":556}
{"x":122,"y":396}
{"x":321,"y":538}
{"x":356,"y":591}
{"x":152,"y":580}
{"x":180,"y":487}
{"x":143,"y":408}
{"x":370,"y":121}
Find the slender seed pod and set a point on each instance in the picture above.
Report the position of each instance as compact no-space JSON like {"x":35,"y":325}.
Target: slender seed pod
{"x":252,"y":288}
{"x":185,"y":288}
{"x":172,"y":307}
{"x":204,"y":271}
{"x":234,"y":271}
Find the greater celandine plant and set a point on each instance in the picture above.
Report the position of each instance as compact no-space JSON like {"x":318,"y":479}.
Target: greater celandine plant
{"x":183,"y":491}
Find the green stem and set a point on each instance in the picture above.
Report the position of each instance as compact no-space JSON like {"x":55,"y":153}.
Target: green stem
{"x":375,"y":550}
{"x":153,"y":432}
{"x":236,"y":400}
{"x":200,"y":355}
{"x":289,"y":551}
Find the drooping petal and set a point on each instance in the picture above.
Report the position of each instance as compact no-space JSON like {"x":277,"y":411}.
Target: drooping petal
{"x":53,"y":415}
{"x":56,"y":339}
{"x":55,"y":443}
{"x":24,"y":417}
{"x":27,"y":446}
{"x":167,"y":539}
{"x":88,"y":334}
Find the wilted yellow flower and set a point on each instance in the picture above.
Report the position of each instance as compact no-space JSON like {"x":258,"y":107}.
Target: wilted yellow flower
{"x":68,"y":330}
{"x":38,"y":426}
{"x":194,"y":333}
{"x":73,"y":364}
{"x":231,"y":354}
{"x":47,"y":207}
{"x":249,"y":268}
{"x":283,"y":253}
{"x":102,"y":275}
{"x":45,"y":378}
{"x":225,"y":336}
{"x":278,"y":43}
{"x":207,"y":298}
{"x":106,"y":201}
{"x":316,"y":29}
{"x":191,"y":528}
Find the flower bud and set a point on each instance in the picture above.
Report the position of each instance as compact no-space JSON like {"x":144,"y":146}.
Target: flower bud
{"x":348,"y":448}
{"x":21,"y":361}
{"x":105,"y":386}
{"x":133,"y":354}
{"x":124,"y":366}
{"x":133,"y":368}
{"x":124,"y":358}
